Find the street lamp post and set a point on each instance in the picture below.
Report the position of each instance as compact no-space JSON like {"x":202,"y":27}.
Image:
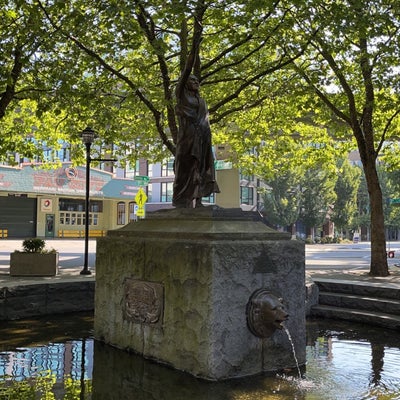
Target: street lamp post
{"x":88,"y":135}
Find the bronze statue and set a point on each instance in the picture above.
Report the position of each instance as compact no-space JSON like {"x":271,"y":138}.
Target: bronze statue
{"x":194,"y":162}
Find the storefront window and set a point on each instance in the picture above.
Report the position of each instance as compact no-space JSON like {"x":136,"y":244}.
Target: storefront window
{"x":79,"y":205}
{"x":167,"y":168}
{"x":78,"y":219}
{"x":166,"y":191}
{"x":132,"y":211}
{"x":210,"y":199}
{"x":246,"y":195}
{"x":121,"y":213}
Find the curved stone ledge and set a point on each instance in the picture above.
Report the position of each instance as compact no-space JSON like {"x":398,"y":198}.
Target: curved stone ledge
{"x":43,"y":299}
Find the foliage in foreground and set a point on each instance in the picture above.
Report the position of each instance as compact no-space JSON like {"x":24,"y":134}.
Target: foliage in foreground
{"x":44,"y":387}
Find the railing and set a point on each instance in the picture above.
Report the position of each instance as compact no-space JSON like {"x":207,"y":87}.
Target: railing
{"x":77,"y":233}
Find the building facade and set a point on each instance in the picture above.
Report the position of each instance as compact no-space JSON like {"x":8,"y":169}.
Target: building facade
{"x":51,"y":203}
{"x":39,"y":202}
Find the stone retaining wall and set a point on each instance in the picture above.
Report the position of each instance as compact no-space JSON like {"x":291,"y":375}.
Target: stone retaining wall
{"x":43,"y":299}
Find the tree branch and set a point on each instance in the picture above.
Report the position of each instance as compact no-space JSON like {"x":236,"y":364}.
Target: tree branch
{"x":386,"y":128}
{"x":138,"y":92}
{"x":8,"y":95}
{"x":148,"y":27}
{"x":249,"y":82}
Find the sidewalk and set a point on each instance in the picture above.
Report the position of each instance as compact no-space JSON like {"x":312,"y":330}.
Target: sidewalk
{"x":358,"y":275}
{"x":71,"y":260}
{"x":350,"y":262}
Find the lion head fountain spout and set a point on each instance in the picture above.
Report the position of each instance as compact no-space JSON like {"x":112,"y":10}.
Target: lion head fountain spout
{"x":265,"y":313}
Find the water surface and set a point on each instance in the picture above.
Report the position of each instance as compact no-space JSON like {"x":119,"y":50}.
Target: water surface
{"x":345,"y":361}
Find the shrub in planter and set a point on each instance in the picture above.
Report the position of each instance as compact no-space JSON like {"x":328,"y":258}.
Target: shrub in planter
{"x":34,"y":260}
{"x":34,"y":245}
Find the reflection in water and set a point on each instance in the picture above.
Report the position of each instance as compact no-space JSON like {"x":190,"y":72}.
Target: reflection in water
{"x":377,"y":356}
{"x":30,"y":346}
{"x":61,"y":358}
{"x":344,"y":361}
{"x":128,"y":377}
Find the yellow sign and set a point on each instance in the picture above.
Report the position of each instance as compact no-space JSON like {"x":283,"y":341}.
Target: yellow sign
{"x":140,"y":212}
{"x":140,"y":197}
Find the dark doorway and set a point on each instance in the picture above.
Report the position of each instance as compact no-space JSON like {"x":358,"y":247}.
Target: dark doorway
{"x":49,"y":225}
{"x":18,"y":216}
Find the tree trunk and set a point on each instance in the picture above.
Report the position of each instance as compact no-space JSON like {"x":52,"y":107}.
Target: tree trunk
{"x":379,"y":265}
{"x":293,"y":231}
{"x":310,"y":233}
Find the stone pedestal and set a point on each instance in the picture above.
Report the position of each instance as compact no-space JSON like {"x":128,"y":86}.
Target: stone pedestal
{"x":175,"y":288}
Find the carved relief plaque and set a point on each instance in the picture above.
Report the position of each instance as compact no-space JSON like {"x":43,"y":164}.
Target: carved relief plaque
{"x":143,"y":302}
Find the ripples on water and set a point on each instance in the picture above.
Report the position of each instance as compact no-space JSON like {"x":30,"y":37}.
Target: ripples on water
{"x":344,"y":362}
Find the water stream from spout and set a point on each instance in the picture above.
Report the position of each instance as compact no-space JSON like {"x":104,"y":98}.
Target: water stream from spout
{"x":293,"y":350}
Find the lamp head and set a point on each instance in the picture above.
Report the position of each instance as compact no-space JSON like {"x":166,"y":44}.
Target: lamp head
{"x":88,"y":135}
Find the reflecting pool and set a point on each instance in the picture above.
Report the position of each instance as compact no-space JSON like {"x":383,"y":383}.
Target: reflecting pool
{"x":58,"y":358}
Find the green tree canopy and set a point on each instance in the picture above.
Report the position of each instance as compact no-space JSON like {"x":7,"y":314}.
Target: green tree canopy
{"x":26,"y":42}
{"x":346,"y":188}
{"x":318,"y":196}
{"x":276,"y":74}
{"x":282,"y":199}
{"x":123,"y":58}
{"x":351,"y":65}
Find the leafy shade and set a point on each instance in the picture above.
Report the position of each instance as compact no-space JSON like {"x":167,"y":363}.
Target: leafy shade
{"x":346,"y":188}
{"x":42,"y":387}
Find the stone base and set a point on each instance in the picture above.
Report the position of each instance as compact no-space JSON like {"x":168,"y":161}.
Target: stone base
{"x":175,"y":288}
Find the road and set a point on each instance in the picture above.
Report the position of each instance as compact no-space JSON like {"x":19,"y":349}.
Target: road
{"x":318,"y":256}
{"x":345,"y":256}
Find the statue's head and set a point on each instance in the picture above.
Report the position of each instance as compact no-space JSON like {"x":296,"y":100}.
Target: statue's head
{"x":265,"y":313}
{"x":193,"y":83}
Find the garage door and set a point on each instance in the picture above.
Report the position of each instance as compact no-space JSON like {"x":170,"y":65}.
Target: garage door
{"x":18,"y":216}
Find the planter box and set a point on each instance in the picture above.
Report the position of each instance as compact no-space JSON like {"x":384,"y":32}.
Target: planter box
{"x":33,"y":264}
